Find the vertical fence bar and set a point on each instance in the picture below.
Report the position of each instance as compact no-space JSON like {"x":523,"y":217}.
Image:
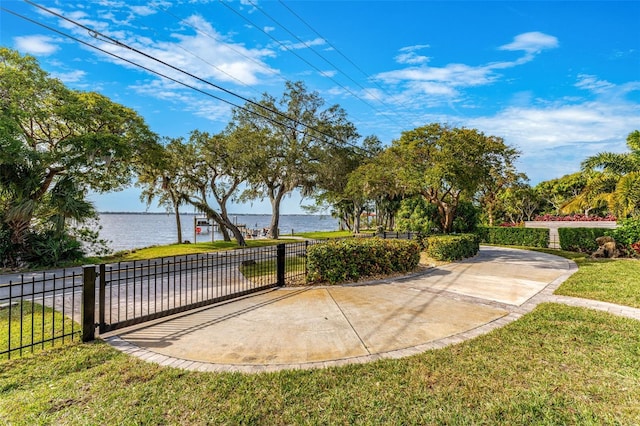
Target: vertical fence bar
{"x":280,"y":264}
{"x":88,"y":303}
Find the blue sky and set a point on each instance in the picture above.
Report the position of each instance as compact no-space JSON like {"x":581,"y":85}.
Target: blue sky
{"x":558,"y":80}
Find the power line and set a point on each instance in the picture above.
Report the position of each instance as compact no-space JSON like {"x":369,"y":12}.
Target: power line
{"x":213,"y":37}
{"x":311,"y":48}
{"x":105,"y":38}
{"x":174,"y":80}
{"x":284,"y":46}
{"x":330,"y":44}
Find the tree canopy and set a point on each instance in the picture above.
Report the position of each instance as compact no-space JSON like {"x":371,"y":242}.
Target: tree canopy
{"x":287,"y":141}
{"x":444,"y":165}
{"x":57,"y":143}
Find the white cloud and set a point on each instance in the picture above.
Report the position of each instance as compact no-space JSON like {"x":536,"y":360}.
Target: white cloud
{"x":186,"y":100}
{"x":303,"y":45}
{"x":269,"y":29}
{"x":329,"y":73}
{"x":409,"y":56}
{"x":555,"y":138}
{"x":532,"y":42}
{"x":447,"y":82}
{"x":70,"y":77}
{"x":206,"y":54}
{"x":143,"y":10}
{"x":36,"y":44}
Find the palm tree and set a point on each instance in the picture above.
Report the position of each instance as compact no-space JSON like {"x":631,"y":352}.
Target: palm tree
{"x":614,"y":180}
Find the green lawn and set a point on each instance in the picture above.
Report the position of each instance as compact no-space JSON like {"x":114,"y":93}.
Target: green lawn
{"x":609,"y":280}
{"x":27,"y":323}
{"x":182,"y":249}
{"x":555,"y":365}
{"x":323,"y":235}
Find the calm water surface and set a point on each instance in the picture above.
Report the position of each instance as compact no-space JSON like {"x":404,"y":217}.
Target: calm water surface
{"x":126,"y":231}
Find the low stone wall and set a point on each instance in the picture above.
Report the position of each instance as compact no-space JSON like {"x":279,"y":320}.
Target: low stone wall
{"x":554,"y":238}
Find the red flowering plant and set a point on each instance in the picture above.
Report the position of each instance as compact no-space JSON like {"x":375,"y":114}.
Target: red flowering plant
{"x":574,"y":218}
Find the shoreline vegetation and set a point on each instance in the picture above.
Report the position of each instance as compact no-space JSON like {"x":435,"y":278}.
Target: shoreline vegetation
{"x":555,"y":365}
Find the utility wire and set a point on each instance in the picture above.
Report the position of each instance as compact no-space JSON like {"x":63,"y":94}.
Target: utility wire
{"x":312,"y":49}
{"x":173,"y":79}
{"x":287,"y":48}
{"x":217,"y":39}
{"x":105,"y":38}
{"x":330,"y":44}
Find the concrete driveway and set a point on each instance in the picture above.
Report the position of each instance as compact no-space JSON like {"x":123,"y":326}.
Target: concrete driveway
{"x":320,"y":326}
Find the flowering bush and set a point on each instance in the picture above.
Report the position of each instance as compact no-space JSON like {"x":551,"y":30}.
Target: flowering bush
{"x":574,"y":218}
{"x":636,"y":247}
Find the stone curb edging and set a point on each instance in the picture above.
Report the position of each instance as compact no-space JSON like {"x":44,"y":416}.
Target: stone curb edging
{"x":545,"y":295}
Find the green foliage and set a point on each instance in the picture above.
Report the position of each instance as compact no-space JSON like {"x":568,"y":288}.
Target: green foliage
{"x":6,"y":247}
{"x":627,"y":232}
{"x":582,"y":240}
{"x":338,"y":261}
{"x":50,"y":248}
{"x":417,"y":215}
{"x":293,"y":154}
{"x":514,"y":236}
{"x":466,"y":218}
{"x":451,"y":247}
{"x":56,"y":144}
{"x":447,"y":165}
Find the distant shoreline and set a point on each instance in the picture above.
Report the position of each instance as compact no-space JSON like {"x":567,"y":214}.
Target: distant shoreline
{"x":199,"y":214}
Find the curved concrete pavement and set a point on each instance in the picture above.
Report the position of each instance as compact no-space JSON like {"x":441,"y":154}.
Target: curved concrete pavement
{"x":312,"y":327}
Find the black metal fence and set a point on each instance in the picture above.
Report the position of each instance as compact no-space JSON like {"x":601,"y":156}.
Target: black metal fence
{"x":39,"y":310}
{"x":398,"y":235}
{"x":43,"y":309}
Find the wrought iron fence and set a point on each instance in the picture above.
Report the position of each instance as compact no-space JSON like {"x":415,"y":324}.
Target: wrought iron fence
{"x":398,"y":235}
{"x":39,"y":310}
{"x":135,"y":292}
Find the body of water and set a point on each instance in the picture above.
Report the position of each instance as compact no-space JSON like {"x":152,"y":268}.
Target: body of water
{"x":126,"y":231}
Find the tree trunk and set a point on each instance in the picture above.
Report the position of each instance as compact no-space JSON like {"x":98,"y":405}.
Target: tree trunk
{"x":275,"y":212}
{"x":357,"y":211}
{"x":178,"y":223}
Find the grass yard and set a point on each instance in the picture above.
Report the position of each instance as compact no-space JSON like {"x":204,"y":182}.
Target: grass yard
{"x":556,"y":365}
{"x":609,"y":280}
{"x":182,"y":249}
{"x":40,"y":324}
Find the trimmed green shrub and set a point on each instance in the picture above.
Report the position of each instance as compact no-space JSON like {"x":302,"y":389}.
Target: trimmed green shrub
{"x":581,"y":240}
{"x":338,"y":261}
{"x":451,"y":247}
{"x":514,"y":236}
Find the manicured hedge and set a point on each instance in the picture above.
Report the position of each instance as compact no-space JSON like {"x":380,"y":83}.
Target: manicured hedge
{"x":582,"y":240}
{"x":516,"y":236}
{"x":338,"y":261}
{"x":451,"y":247}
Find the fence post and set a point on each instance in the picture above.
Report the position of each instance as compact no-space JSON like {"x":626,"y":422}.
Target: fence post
{"x":102,"y":296}
{"x":88,"y":303}
{"x":280,"y":264}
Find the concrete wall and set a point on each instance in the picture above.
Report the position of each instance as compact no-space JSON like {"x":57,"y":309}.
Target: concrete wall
{"x":554,"y":239}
